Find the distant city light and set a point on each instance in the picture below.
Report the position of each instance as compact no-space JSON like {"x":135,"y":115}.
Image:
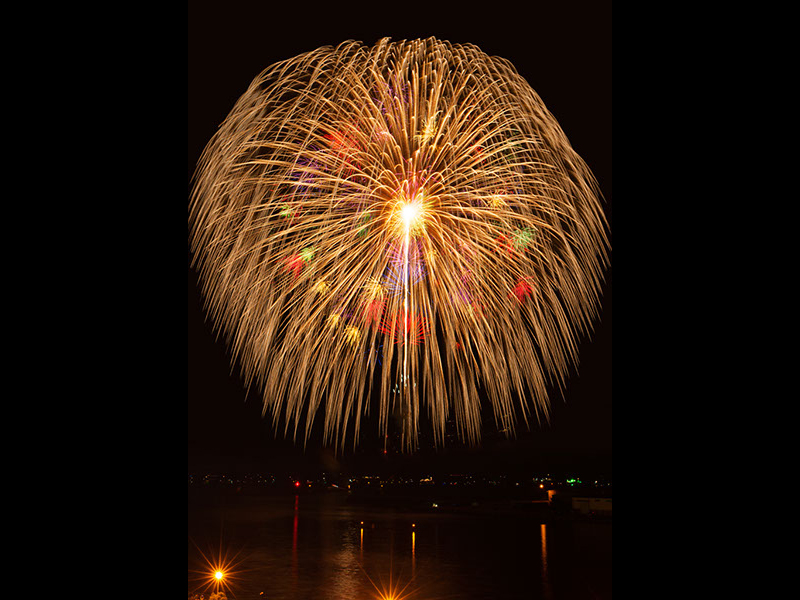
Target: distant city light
{"x":362,"y":481}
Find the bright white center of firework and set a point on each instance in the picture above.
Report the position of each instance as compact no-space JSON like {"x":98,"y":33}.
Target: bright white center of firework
{"x":409,"y":212}
{"x":219,"y":575}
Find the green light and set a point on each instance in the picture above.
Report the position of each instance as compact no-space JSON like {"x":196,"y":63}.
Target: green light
{"x":306,"y":254}
{"x":523,"y":238}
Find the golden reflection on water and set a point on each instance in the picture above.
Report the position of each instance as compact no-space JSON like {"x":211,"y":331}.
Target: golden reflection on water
{"x":413,"y":553}
{"x":345,"y":577}
{"x":548,"y":592}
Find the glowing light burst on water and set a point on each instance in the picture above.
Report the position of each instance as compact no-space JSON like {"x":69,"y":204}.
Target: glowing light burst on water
{"x":395,"y":589}
{"x":415,"y":197}
{"x":219,"y":572}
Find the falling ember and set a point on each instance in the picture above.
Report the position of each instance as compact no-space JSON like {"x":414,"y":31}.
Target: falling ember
{"x":414,"y":196}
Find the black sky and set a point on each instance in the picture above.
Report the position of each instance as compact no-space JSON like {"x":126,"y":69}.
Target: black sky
{"x":564,"y":52}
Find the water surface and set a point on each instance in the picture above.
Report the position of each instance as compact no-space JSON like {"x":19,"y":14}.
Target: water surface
{"x":325,"y":547}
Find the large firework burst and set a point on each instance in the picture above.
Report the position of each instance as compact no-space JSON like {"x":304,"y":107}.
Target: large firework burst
{"x":404,"y":224}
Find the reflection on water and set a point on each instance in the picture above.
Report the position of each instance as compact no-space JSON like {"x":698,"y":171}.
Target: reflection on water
{"x":546,"y":589}
{"x":413,"y":552}
{"x":302,"y":547}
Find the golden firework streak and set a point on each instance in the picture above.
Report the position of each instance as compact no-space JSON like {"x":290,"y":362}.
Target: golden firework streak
{"x":419,"y":184}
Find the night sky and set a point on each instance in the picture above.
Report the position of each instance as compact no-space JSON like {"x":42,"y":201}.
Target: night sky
{"x":565,"y":55}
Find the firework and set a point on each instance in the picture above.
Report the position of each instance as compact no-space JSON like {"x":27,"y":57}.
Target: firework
{"x":403,"y":226}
